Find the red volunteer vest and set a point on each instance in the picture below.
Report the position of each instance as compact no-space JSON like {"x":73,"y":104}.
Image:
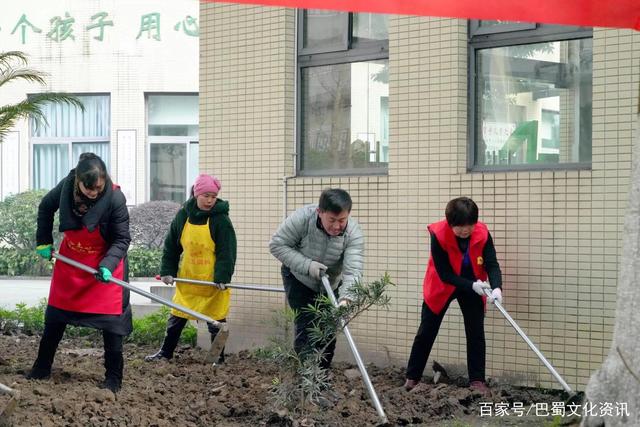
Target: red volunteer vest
{"x":436,"y":292}
{"x":75,"y":290}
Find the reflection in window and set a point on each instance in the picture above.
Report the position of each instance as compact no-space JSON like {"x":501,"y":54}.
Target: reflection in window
{"x":345,"y":116}
{"x":173,"y":145}
{"x":324,"y":30}
{"x":370,"y":26}
{"x":534,"y":103}
{"x":168,"y":172}
{"x":343,"y":109}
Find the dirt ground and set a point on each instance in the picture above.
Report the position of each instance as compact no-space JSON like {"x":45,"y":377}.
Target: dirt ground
{"x":186,"y":392}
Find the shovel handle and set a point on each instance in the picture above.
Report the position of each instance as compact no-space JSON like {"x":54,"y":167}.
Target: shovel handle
{"x":6,"y":390}
{"x":356,"y":355}
{"x":225,"y":286}
{"x":136,"y":290}
{"x":530,"y":343}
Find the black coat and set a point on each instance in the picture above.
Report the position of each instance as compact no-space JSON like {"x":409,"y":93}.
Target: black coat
{"x":111,"y":217}
{"x":110,"y":214}
{"x":222,"y":233}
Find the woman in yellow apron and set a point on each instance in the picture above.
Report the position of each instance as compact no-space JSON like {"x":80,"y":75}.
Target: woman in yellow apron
{"x":201,"y":245}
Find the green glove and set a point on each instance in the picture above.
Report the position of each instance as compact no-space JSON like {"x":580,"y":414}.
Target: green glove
{"x":103,"y":274}
{"x":44,"y":251}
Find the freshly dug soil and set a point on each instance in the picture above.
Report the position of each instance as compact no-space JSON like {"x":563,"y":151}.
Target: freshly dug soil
{"x":186,"y":392}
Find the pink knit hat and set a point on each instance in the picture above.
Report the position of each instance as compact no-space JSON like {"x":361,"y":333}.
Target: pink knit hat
{"x":206,"y":184}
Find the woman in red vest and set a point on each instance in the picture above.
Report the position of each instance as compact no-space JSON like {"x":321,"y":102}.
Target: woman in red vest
{"x":462,"y":259}
{"x":95,"y":222}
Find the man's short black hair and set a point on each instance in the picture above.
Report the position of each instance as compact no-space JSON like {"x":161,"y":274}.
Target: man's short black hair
{"x":461,"y":211}
{"x":335,"y":200}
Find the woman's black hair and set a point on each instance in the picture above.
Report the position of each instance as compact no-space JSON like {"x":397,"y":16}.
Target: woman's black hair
{"x":461,"y":211}
{"x":90,"y":170}
{"x":335,"y":200}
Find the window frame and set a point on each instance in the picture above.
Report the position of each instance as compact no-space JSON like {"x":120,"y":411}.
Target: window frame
{"x":163,"y":140}
{"x":478,"y":40}
{"x":69,"y":140}
{"x":362,"y":51}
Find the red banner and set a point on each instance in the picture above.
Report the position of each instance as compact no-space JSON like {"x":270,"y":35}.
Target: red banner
{"x":588,"y":13}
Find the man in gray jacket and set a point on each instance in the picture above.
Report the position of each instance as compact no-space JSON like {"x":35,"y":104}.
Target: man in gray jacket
{"x":315,"y":240}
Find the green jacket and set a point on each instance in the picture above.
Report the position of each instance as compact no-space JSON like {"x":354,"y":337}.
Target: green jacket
{"x":222,"y":233}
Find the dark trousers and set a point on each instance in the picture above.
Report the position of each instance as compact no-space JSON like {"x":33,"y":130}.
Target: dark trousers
{"x":52,"y":335}
{"x":473,"y":314}
{"x":300,"y":296}
{"x":175,"y":325}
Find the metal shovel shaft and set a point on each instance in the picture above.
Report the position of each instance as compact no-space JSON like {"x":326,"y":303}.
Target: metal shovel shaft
{"x":526,"y":339}
{"x":216,"y":285}
{"x":6,"y":390}
{"x":139,"y":291}
{"x":356,"y":355}
{"x":10,"y":406}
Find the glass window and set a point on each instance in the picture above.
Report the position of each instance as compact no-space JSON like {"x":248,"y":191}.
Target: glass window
{"x":173,"y":115}
{"x":194,"y":158}
{"x":345,"y":116}
{"x":173,"y":145}
{"x":168,"y":178}
{"x":533,"y":104}
{"x":493,"y":27}
{"x":50,"y":164}
{"x":69,"y":132}
{"x":66,"y":120}
{"x":324,"y":30}
{"x":343,"y":105}
{"x":370,"y":26}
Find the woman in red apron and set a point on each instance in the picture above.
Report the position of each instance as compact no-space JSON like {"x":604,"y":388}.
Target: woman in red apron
{"x":462,"y":259}
{"x":95,"y":222}
{"x":201,"y":245}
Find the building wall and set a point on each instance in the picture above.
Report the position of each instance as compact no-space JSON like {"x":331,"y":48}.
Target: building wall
{"x":122,"y":64}
{"x":557,"y":233}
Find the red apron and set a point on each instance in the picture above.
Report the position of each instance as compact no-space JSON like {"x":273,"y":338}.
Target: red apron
{"x":75,"y":290}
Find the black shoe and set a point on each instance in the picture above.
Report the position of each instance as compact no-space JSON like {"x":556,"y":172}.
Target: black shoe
{"x":114,"y":365}
{"x":111,"y":383}
{"x":38,"y":373}
{"x":160,"y":355}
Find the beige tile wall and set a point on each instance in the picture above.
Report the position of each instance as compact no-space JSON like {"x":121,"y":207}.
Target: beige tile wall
{"x":557,"y":233}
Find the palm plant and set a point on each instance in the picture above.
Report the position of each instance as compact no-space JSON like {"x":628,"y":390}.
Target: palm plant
{"x":13,"y":67}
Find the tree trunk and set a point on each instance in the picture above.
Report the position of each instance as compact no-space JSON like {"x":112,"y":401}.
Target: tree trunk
{"x":618,"y":380}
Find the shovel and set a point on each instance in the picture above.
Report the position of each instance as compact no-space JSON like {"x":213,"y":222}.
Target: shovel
{"x":526,"y":339}
{"x":218,"y":343}
{"x":224,"y":286}
{"x":6,"y":412}
{"x":356,"y":355}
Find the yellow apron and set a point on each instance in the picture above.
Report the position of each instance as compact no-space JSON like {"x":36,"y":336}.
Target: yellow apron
{"x":198,"y":262}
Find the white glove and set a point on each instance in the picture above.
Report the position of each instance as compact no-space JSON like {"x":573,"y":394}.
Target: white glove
{"x":316,"y":269}
{"x":479,"y":286}
{"x":168,"y":280}
{"x":496,"y":295}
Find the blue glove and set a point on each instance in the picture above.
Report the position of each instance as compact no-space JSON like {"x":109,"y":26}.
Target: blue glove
{"x":103,"y":274}
{"x":44,"y":251}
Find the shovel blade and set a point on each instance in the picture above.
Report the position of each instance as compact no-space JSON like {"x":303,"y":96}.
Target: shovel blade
{"x":11,"y":405}
{"x":213,"y":355}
